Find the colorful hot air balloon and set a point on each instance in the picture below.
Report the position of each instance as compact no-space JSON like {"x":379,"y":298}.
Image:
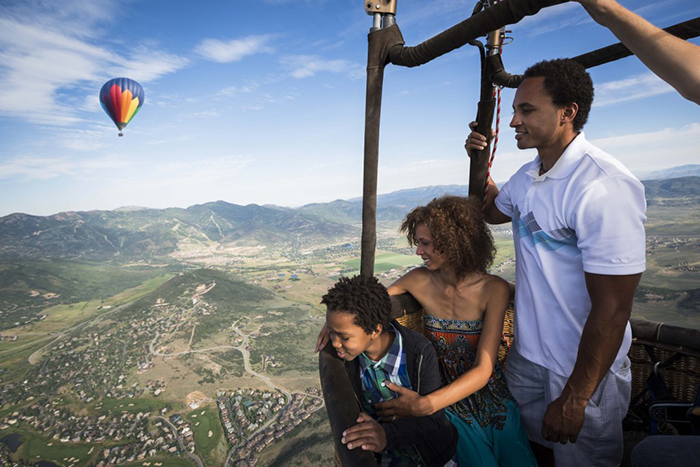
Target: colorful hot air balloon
{"x":121,"y":98}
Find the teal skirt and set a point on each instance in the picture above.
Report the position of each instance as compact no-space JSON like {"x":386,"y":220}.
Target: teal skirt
{"x":492,"y":447}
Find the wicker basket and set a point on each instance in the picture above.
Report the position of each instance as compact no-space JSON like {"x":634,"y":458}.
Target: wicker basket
{"x":682,"y":377}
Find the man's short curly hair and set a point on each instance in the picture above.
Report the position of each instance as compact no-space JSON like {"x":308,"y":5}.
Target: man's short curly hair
{"x":458,"y":230}
{"x":363,"y":297}
{"x":567,"y":82}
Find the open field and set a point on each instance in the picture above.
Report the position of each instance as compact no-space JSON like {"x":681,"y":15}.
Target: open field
{"x":63,"y":454}
{"x":658,"y":311}
{"x":207,"y":430}
{"x":72,"y":281}
{"x":35,"y":447}
{"x":108,"y":406}
{"x":383,"y":262}
{"x":14,"y":359}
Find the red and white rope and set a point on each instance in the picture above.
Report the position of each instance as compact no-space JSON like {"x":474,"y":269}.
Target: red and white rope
{"x":497,"y":94}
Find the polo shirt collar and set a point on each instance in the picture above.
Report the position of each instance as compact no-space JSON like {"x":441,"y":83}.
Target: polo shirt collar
{"x":565,"y":164}
{"x":390,"y":362}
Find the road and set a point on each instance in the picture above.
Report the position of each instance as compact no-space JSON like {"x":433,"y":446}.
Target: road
{"x":193,"y":456}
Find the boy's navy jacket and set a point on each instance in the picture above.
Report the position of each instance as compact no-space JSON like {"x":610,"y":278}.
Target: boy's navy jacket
{"x":434,"y":436}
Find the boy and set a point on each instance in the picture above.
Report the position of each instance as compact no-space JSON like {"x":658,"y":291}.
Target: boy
{"x":376,"y":349}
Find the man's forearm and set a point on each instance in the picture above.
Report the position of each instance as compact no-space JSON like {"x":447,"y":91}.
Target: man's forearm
{"x":672,"y":59}
{"x":603,"y":333}
{"x":600,"y":342}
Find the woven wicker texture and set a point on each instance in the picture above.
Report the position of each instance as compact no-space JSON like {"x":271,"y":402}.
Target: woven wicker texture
{"x":682,"y":376}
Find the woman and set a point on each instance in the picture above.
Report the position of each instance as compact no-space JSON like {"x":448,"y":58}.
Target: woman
{"x":464,"y":312}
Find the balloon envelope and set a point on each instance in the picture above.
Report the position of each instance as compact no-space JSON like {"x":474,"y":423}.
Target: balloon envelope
{"x":121,"y":98}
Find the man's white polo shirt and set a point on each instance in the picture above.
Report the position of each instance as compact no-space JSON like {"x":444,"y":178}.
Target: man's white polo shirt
{"x":587,"y":214}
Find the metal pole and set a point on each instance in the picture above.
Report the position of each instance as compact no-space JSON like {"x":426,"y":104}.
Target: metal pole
{"x":376,"y":61}
{"x":376,"y":22}
{"x":479,"y":161}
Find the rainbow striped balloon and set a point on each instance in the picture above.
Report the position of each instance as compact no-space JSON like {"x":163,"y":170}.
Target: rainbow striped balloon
{"x":121,"y":98}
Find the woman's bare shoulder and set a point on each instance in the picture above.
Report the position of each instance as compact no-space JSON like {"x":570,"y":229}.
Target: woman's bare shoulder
{"x":496,"y":285}
{"x":411,"y":281}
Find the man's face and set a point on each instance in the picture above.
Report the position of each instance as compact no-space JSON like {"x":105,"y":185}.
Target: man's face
{"x":348,"y":339}
{"x":536,"y":120}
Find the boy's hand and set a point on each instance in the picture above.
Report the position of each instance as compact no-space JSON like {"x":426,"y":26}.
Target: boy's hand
{"x":475,"y":141}
{"x":323,"y":337}
{"x":407,"y":404}
{"x":367,"y":434}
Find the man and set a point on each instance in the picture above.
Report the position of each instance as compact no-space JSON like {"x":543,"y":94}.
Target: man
{"x":672,"y":59}
{"x":577,"y":217}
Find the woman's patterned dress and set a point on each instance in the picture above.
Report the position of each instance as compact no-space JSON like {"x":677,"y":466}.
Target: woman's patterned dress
{"x":488,"y":420}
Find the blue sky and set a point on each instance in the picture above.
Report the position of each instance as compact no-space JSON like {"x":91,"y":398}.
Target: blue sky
{"x":263,"y":102}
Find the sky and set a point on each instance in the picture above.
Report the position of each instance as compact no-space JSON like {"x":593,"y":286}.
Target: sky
{"x":263,"y":102}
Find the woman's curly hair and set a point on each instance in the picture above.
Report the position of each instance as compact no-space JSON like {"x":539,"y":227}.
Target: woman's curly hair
{"x":459,"y":232}
{"x":363,"y":297}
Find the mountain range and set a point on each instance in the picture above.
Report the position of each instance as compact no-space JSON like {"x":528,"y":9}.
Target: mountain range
{"x":141,"y":233}
{"x":689,"y":170}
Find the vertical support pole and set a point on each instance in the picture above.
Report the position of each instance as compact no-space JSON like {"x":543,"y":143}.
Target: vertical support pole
{"x":383,"y":15}
{"x":479,"y":160}
{"x":373,"y":107}
{"x":376,"y":61}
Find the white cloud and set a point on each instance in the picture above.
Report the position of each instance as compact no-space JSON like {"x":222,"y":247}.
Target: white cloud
{"x":630,"y":89}
{"x":80,"y":17}
{"x":206,"y":114}
{"x":232,"y":91}
{"x":182,"y":183}
{"x":209,"y":169}
{"x":668,"y":147}
{"x":553,"y":18}
{"x":234,"y":50}
{"x":48,"y":60}
{"x":46,"y":168}
{"x":148,"y":65}
{"x":304,"y":66}
{"x":670,"y":138}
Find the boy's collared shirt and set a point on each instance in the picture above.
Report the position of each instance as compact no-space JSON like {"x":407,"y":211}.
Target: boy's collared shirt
{"x":391,"y":367}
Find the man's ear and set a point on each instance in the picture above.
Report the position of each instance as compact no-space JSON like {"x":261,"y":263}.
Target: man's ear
{"x":569,"y":113}
{"x":377,"y":331}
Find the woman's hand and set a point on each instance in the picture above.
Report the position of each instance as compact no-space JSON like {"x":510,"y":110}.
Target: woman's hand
{"x":407,"y":404}
{"x":323,"y":337}
{"x":367,"y":434}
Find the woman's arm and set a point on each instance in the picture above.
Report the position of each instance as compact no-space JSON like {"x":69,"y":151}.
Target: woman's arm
{"x":411,"y":404}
